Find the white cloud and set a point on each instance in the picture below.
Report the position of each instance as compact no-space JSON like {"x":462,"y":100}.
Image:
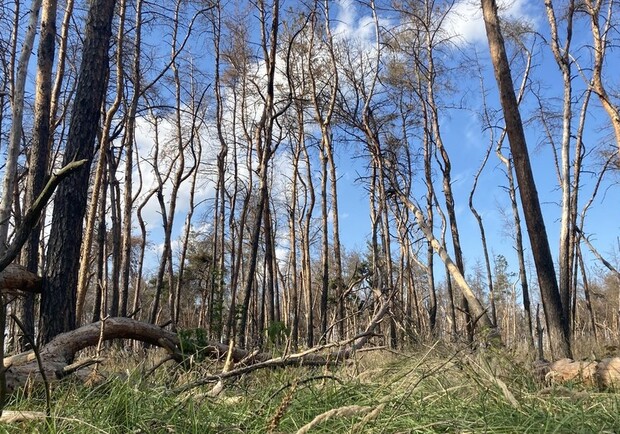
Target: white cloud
{"x":282,"y":254}
{"x":151,"y":212}
{"x":345,"y":18}
{"x":465,"y":23}
{"x":350,"y":26}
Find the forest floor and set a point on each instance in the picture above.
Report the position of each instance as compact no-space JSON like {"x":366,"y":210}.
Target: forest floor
{"x":432,"y":389}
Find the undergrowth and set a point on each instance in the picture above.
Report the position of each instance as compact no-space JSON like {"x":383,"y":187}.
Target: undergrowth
{"x":427,"y":391}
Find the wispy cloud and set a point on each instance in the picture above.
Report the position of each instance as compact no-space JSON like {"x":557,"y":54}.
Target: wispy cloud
{"x":353,"y":24}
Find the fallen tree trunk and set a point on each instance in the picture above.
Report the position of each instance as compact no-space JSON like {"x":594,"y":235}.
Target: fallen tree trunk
{"x":56,"y":358}
{"x":10,"y":416}
{"x":608,"y":373}
{"x":304,"y":358}
{"x":310,"y":357}
{"x":604,"y":374}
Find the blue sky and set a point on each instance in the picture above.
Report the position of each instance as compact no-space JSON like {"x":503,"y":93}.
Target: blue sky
{"x":464,"y":138}
{"x":467,"y":142}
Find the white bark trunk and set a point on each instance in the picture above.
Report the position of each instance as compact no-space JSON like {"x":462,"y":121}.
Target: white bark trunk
{"x":15,"y":135}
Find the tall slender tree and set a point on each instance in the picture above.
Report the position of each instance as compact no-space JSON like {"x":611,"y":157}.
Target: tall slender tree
{"x":59,"y":300}
{"x":554,"y":314}
{"x":263,"y":140}
{"x":15,"y":135}
{"x":39,"y":155}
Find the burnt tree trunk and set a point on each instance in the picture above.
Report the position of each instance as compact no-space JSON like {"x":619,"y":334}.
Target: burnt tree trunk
{"x":556,"y":321}
{"x":58,"y":302}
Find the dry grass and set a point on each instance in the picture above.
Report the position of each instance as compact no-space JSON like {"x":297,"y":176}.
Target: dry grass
{"x":432,"y":389}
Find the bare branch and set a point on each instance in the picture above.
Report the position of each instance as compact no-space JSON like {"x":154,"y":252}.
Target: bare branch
{"x":34,"y":212}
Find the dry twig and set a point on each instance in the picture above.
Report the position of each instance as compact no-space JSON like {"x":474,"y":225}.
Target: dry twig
{"x":346,"y":411}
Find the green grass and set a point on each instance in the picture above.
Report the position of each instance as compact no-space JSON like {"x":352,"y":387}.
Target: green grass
{"x":429,"y":391}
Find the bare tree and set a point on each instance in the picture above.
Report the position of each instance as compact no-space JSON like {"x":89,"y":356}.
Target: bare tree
{"x":130,"y":193}
{"x":600,"y":43}
{"x":563,"y":59}
{"x":15,"y":135}
{"x":305,"y":223}
{"x":265,"y":146}
{"x":556,"y":321}
{"x":39,"y":156}
{"x":182,"y":140}
{"x":240,"y":188}
{"x":323,"y":78}
{"x":512,"y":194}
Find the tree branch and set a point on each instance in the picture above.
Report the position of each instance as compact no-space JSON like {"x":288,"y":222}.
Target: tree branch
{"x":34,"y":212}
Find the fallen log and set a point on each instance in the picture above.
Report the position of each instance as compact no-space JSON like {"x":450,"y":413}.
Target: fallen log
{"x":9,"y":416}
{"x":308,"y":357}
{"x":57,"y":356}
{"x":564,"y":370}
{"x":604,"y":374}
{"x":304,"y":358}
{"x":608,"y":372}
